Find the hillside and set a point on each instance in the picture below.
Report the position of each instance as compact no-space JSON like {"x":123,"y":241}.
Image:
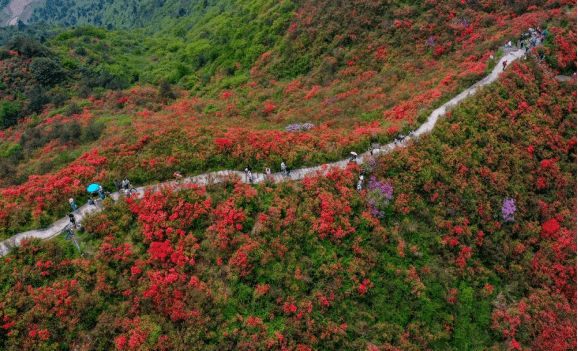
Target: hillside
{"x":463,"y":240}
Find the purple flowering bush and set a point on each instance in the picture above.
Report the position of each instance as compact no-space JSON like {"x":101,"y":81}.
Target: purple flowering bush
{"x":299,"y":127}
{"x":508,"y":209}
{"x":380,"y":194}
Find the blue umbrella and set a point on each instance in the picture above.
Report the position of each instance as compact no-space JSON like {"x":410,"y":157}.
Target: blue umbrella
{"x":92,"y":187}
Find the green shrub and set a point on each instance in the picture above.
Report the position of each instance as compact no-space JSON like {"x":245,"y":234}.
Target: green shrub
{"x":73,"y":109}
{"x":166,"y":91}
{"x":37,"y":100}
{"x":58,"y":100}
{"x":66,"y":132}
{"x":9,"y":114}
{"x":46,"y":71}
{"x":29,"y":47}
{"x":92,"y":132}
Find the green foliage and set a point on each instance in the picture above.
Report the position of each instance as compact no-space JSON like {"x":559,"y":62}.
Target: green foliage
{"x":9,"y":114}
{"x":47,"y":72}
{"x":28,"y":47}
{"x":166,"y":91}
{"x":92,"y":132}
{"x":37,"y":99}
{"x":8,"y":150}
{"x":69,"y":132}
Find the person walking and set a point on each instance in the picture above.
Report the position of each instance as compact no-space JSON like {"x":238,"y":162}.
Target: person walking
{"x":71,"y":218}
{"x":267,"y":171}
{"x":73,"y":205}
{"x":504,"y":64}
{"x":359,"y":185}
{"x":288,"y":172}
{"x":178,"y":177}
{"x":283,"y":167}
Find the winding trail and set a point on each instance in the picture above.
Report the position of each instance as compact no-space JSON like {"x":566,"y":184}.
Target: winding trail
{"x":57,"y":227}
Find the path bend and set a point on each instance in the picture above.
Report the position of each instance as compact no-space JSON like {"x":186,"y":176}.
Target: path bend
{"x":57,"y":227}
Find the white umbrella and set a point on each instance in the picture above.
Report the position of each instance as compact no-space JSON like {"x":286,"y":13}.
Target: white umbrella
{"x":354,"y":153}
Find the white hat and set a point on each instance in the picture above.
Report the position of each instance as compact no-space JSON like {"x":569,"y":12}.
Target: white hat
{"x":71,"y":200}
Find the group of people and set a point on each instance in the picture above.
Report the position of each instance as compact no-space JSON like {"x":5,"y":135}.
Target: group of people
{"x":399,"y":138}
{"x":125,"y":186}
{"x":268,"y":174}
{"x":527,"y":41}
{"x":532,"y":38}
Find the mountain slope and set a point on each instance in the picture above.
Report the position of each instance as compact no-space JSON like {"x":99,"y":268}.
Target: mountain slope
{"x":464,"y":240}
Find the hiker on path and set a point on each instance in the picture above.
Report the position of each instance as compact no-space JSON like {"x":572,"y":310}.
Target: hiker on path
{"x":288,"y":172}
{"x":73,"y":205}
{"x":353,"y":156}
{"x":125,"y":183}
{"x":249,"y":176}
{"x":178,"y":177}
{"x":283,"y":167}
{"x":249,"y":168}
{"x":359,"y":185}
{"x":72,"y":219}
{"x":504,"y":64}
{"x":267,"y":171}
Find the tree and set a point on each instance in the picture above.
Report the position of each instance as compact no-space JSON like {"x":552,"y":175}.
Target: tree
{"x":29,"y":47}
{"x":21,"y":25}
{"x":37,"y":101}
{"x":9,"y":114}
{"x":47,"y":72}
{"x":166,"y":91}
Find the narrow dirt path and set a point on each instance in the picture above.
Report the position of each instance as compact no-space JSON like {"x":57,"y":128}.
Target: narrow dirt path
{"x":57,"y":227}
